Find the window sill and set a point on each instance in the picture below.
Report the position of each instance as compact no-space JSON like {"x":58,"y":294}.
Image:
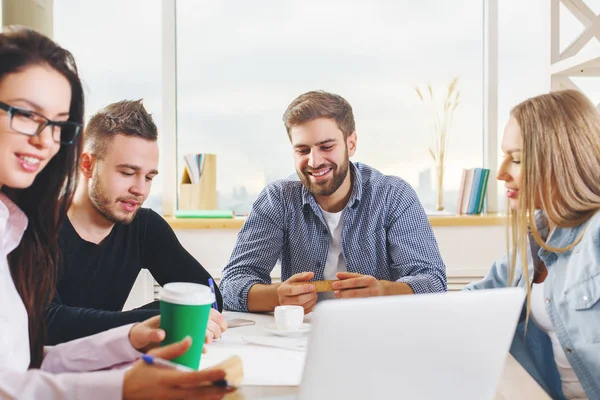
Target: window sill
{"x":435,"y":220}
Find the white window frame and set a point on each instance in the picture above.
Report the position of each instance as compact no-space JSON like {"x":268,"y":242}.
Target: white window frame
{"x":169,"y":103}
{"x":572,"y":62}
{"x":168,"y":132}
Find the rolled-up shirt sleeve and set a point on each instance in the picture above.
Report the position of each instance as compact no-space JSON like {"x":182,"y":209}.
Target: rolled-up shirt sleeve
{"x":258,"y":246}
{"x":413,"y":249}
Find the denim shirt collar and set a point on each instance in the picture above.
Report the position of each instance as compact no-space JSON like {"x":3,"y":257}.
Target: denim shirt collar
{"x":559,"y":237}
{"x":538,"y":253}
{"x":309,"y":202}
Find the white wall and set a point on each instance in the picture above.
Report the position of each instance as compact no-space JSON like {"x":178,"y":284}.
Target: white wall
{"x":36,"y":14}
{"x":467,"y":251}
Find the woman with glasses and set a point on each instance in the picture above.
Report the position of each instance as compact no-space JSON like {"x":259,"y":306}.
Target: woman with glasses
{"x":41,"y":113}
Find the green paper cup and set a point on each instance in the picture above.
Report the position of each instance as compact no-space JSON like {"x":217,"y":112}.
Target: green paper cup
{"x":184,"y":311}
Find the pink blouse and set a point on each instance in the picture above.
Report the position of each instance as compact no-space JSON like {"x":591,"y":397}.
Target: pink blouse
{"x":66,"y":371}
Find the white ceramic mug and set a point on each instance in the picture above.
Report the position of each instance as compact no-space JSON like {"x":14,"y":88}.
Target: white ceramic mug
{"x":289,"y":317}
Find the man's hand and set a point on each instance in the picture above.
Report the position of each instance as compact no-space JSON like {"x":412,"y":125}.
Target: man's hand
{"x":146,"y":335}
{"x":217,"y":324}
{"x":298,"y":295}
{"x":352,"y":285}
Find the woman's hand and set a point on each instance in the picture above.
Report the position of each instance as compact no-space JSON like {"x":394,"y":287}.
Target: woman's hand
{"x":147,"y":335}
{"x":154,"y":382}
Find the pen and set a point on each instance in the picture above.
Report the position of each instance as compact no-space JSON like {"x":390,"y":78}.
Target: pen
{"x":211,"y":283}
{"x":151,"y":360}
{"x":165,"y":363}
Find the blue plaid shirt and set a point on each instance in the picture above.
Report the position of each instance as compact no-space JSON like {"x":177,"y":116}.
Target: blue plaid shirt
{"x":385,"y":234}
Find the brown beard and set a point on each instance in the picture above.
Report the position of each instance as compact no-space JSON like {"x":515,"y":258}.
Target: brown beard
{"x":102,"y":203}
{"x":327,"y":189}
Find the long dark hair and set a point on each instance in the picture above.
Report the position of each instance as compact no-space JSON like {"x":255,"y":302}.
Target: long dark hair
{"x":33,"y":264}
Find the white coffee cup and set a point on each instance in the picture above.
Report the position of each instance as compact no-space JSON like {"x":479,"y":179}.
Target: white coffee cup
{"x":289,"y":317}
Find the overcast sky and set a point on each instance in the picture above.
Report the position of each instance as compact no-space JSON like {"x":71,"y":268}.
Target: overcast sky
{"x":241,"y":62}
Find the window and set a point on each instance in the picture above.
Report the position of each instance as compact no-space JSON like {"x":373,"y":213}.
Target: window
{"x":525,"y":59}
{"x":241,"y":63}
{"x":524,"y":63}
{"x":117,"y":48}
{"x":570,"y":29}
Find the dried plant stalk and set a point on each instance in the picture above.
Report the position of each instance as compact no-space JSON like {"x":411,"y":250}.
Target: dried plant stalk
{"x":442,"y":123}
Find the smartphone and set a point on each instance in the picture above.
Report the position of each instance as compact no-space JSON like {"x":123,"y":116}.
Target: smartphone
{"x":235,"y":322}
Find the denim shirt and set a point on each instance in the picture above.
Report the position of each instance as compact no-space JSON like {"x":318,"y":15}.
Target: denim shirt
{"x":385,"y":234}
{"x":572,"y":293}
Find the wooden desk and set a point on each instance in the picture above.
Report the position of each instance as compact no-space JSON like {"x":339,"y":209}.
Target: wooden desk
{"x":515,"y":383}
{"x":435,"y":220}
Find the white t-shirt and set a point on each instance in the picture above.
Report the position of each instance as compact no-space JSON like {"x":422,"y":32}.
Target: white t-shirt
{"x":571,"y":386}
{"x":335,"y":258}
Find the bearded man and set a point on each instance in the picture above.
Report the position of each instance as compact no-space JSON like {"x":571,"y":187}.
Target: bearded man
{"x":340,"y":220}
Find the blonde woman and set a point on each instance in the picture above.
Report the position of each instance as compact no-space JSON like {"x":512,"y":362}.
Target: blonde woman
{"x":551,"y":170}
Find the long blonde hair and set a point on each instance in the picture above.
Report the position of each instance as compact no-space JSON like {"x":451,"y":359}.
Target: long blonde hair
{"x":560,"y":170}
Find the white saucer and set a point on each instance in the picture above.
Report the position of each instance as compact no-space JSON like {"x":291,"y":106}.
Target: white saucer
{"x":274,"y":329}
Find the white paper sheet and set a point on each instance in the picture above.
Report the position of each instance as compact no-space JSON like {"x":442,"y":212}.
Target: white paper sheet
{"x":263,"y":366}
{"x":296,"y":344}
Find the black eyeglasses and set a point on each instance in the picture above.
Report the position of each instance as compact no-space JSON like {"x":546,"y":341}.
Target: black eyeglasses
{"x":32,"y":124}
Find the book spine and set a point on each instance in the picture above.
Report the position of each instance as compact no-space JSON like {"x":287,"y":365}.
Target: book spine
{"x":467,"y":191}
{"x":483,"y":191}
{"x":461,"y":191}
{"x":475,"y":191}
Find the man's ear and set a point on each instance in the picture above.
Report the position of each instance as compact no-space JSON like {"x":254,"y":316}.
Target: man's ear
{"x":351,"y":143}
{"x":87,"y":162}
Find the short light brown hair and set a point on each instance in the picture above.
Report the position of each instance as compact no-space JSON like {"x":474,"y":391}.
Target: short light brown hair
{"x":126,"y":117}
{"x":319,"y":104}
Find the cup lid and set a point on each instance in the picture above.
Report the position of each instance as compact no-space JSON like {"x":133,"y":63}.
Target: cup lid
{"x":187,"y":293}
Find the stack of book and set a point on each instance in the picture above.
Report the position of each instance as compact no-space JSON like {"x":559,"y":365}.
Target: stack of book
{"x":473,"y":187}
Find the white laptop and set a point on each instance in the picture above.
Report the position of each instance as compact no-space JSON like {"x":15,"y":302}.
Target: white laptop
{"x":438,"y":346}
